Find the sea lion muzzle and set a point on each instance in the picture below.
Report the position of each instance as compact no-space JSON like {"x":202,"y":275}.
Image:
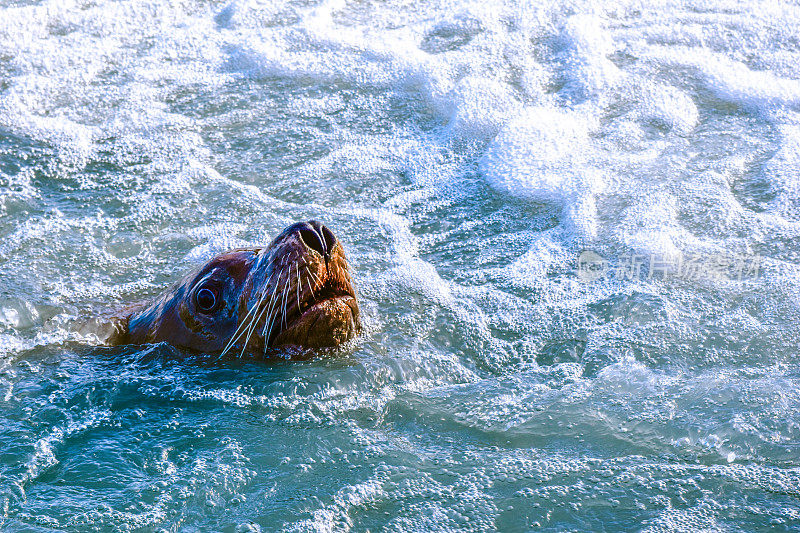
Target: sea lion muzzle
{"x":296,"y":291}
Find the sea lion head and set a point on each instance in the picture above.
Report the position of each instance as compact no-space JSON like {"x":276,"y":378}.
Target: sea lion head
{"x":296,"y":291}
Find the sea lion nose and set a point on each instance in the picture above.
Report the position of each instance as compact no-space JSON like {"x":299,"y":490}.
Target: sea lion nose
{"x":318,"y":237}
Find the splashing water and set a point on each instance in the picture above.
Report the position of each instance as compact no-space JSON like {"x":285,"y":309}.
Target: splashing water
{"x":573,"y":226}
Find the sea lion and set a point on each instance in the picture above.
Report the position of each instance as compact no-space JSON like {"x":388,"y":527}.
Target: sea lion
{"x":295,"y":292}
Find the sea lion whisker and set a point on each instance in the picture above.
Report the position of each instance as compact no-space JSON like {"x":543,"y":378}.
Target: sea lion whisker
{"x":284,"y":300}
{"x":236,"y":334}
{"x":254,"y":324}
{"x":240,"y":329}
{"x":267,"y":334}
{"x":314,"y":275}
{"x":244,"y":323}
{"x":251,"y":328}
{"x":297,"y":283}
{"x":268,"y":322}
{"x":272,"y":317}
{"x":309,"y":283}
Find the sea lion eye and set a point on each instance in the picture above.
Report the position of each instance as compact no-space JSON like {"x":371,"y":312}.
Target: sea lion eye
{"x":206,"y":299}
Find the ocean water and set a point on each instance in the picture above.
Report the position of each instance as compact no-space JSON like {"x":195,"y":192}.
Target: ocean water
{"x":574,"y":228}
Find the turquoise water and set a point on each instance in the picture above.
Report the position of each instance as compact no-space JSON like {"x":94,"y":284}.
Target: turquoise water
{"x":573,"y":227}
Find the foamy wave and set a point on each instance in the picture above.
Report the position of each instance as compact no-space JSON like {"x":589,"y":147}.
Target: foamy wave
{"x":547,"y":155}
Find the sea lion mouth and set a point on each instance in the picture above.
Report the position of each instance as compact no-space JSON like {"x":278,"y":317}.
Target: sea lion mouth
{"x":312,"y":323}
{"x":326,"y":322}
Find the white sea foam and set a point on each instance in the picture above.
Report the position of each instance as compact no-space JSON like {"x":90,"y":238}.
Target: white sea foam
{"x":480,"y":108}
{"x":572,"y":111}
{"x":547,"y":155}
{"x":466,"y":153}
{"x":666,"y":105}
{"x":782,"y":172}
{"x":731,"y":80}
{"x":587,"y":46}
